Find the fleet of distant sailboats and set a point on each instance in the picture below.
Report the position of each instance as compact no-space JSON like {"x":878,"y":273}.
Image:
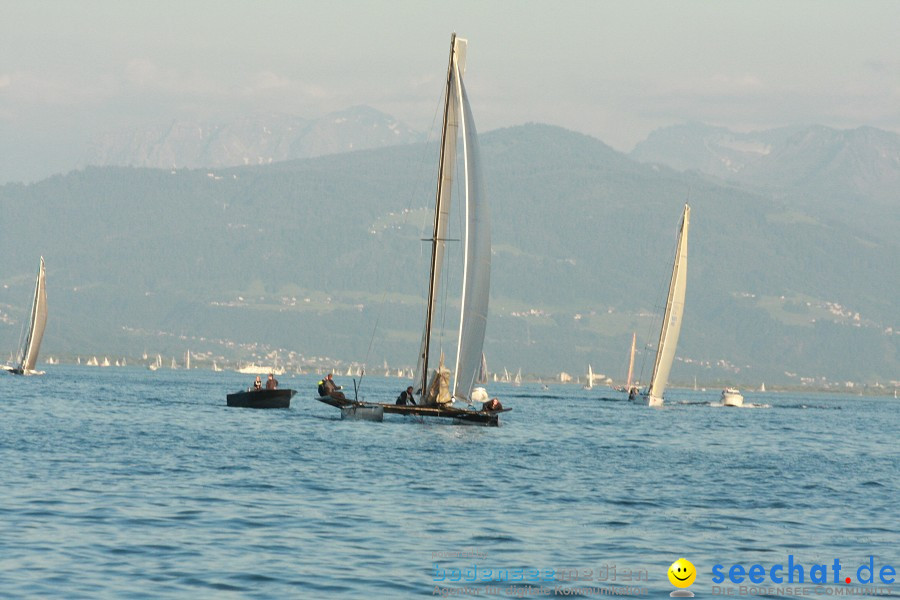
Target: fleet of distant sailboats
{"x":433,"y":384}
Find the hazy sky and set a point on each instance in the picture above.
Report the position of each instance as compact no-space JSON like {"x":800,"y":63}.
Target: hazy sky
{"x":613,"y":70}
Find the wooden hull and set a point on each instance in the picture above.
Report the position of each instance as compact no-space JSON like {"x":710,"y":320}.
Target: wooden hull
{"x":261,"y":399}
{"x":491,"y":418}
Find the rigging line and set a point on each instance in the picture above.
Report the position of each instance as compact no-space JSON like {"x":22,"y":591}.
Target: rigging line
{"x":417,"y":184}
{"x":372,"y":339}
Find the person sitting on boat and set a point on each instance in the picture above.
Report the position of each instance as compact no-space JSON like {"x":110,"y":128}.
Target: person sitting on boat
{"x":257,"y":385}
{"x":492,"y":404}
{"x":331,"y":388}
{"x":406,"y":397}
{"x":271,"y":382}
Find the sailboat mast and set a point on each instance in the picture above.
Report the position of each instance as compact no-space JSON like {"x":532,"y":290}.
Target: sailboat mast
{"x":435,"y":237}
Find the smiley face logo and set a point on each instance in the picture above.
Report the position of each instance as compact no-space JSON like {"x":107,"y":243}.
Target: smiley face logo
{"x":682,"y":573}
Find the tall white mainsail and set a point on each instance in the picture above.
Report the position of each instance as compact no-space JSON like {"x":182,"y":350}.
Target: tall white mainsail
{"x":477,"y":242}
{"x":477,"y":263}
{"x":36,"y":325}
{"x":671,"y":327}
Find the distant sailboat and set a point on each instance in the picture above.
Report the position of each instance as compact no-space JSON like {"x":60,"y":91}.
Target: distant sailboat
{"x":518,"y":380}
{"x":589,"y":385}
{"x":187,"y":360}
{"x":671,"y":325}
{"x":762,"y":387}
{"x":36,"y":326}
{"x":482,"y":371}
{"x":630,"y":363}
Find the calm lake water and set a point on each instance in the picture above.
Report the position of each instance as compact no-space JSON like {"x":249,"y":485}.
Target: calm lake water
{"x":123,"y":482}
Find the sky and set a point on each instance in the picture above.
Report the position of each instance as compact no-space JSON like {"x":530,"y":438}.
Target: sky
{"x":71,"y":71}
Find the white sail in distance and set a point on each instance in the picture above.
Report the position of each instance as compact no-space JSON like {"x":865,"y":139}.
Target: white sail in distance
{"x":37,"y":324}
{"x":671,"y":327}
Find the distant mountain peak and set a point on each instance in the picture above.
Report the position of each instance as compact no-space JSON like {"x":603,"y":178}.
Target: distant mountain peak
{"x":254,"y":138}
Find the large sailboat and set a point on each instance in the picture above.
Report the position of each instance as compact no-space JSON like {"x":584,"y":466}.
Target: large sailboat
{"x":434,"y":393}
{"x":671,"y":324}
{"x":36,"y":327}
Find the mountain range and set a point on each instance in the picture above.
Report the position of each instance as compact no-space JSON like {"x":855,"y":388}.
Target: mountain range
{"x":791,"y":273}
{"x":256,"y":139}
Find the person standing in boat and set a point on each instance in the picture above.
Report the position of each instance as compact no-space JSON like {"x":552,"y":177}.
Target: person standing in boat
{"x":331,"y":388}
{"x":257,"y":385}
{"x":271,"y":382}
{"x":406,"y":397}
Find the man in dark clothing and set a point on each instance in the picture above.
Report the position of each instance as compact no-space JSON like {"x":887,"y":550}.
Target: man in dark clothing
{"x":271,"y":382}
{"x":331,"y":388}
{"x":406,"y":397}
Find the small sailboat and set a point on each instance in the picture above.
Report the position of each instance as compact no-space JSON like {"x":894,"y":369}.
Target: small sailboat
{"x":671,"y":324}
{"x":482,"y":371}
{"x":36,"y":326}
{"x":589,"y":384}
{"x":187,"y":360}
{"x":435,"y":396}
{"x":628,"y":383}
{"x":518,"y":380}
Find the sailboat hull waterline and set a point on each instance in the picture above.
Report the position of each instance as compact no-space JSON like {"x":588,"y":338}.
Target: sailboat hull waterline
{"x":671,"y":324}
{"x":37,"y":324}
{"x":432,"y":386}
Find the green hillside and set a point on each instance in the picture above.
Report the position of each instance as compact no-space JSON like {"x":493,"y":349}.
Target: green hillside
{"x":307,"y":256}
